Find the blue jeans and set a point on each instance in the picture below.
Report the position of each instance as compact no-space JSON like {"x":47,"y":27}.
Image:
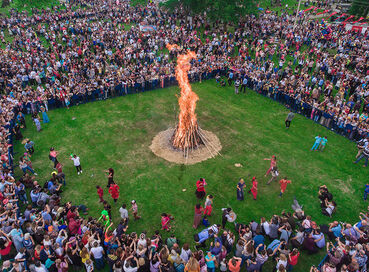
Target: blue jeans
{"x":211,"y":269}
{"x":22,"y":197}
{"x":99,"y":263}
{"x":27,"y":168}
{"x":360,"y":157}
{"x":315,"y":146}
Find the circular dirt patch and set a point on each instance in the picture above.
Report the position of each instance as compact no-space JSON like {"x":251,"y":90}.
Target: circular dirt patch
{"x":161,"y":147}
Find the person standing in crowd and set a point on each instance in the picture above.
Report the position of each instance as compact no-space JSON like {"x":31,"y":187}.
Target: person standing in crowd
{"x":21,"y":120}
{"x":230,"y":77}
{"x":200,"y":188}
{"x":240,"y":187}
{"x":77,"y":163}
{"x":236,"y":86}
{"x":283,"y":183}
{"x":244,"y":85}
{"x":316,"y":144}
{"x":289,"y":118}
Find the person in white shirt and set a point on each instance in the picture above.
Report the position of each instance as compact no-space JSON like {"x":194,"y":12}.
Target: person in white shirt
{"x":98,"y":253}
{"x":77,"y":163}
{"x":123,"y":212}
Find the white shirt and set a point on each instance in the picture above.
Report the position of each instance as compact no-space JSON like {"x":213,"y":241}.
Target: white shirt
{"x":123,"y":213}
{"x":97,"y":252}
{"x":76,"y":161}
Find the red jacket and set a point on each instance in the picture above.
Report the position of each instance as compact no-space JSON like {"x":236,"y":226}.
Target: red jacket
{"x":114,"y":191}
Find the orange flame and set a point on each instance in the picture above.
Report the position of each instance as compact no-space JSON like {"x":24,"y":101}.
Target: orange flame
{"x":187,"y":101}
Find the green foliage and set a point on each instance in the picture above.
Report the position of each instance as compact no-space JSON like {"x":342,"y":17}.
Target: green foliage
{"x":360,"y":7}
{"x":225,"y":10}
{"x":117,"y":133}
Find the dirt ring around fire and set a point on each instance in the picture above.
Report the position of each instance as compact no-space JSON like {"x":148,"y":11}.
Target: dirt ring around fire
{"x":162,"y":148}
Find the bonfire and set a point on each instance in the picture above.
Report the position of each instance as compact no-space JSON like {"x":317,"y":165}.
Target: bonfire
{"x":187,"y":134}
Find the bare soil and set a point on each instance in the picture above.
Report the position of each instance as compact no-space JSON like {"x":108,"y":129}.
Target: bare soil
{"x":162,"y":148}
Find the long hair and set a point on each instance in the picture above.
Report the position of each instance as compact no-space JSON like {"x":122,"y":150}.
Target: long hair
{"x":193,"y":264}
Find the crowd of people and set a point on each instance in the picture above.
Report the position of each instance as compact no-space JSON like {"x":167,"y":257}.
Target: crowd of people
{"x":95,"y":49}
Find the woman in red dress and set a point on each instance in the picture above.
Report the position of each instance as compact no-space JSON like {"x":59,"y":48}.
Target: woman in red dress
{"x":200,"y":188}
{"x":114,"y":191}
{"x":254,"y":188}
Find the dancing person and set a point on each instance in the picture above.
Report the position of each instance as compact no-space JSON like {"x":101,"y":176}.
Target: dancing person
{"x":76,"y":163}
{"x":165,"y":222}
{"x":274,"y":173}
{"x":361,"y":145}
{"x":24,"y":166}
{"x":273,"y":163}
{"x":37,"y":123}
{"x":197,"y":216}
{"x":134,"y":209}
{"x":100,"y":193}
{"x":240,"y":186}
{"x":316,"y":144}
{"x":114,"y":191}
{"x":364,"y":155}
{"x":208,"y":205}
{"x":283,"y":183}
{"x":21,"y":120}
{"x":123,"y":212}
{"x":110,"y":172}
{"x":53,"y":156}
{"x":289,"y":118}
{"x":45,"y":117}
{"x":366,"y":191}
{"x":323,"y":143}
{"x":200,"y":188}
{"x":254,"y":188}
{"x":29,"y":146}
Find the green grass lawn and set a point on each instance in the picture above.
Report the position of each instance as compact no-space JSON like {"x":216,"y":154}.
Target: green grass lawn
{"x":117,"y":133}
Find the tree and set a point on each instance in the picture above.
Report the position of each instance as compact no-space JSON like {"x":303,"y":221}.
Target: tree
{"x":225,"y":10}
{"x":360,"y":7}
